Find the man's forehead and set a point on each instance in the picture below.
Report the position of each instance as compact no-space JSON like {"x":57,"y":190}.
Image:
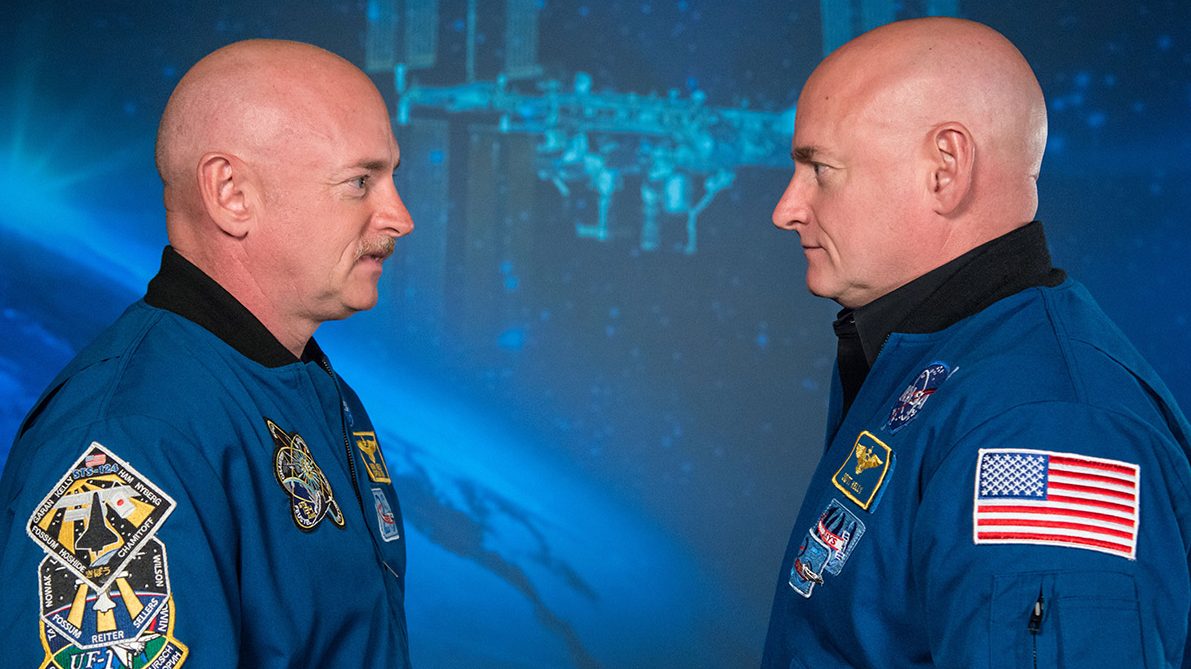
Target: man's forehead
{"x":816,"y":133}
{"x":374,"y":163}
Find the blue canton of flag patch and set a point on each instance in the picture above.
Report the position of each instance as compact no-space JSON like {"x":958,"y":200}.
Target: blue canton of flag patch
{"x":825,"y":548}
{"x":914,"y":397}
{"x":1026,"y":496}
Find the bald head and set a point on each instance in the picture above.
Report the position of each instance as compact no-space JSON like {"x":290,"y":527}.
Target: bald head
{"x":249,"y":99}
{"x":910,"y":76}
{"x":915,"y":143}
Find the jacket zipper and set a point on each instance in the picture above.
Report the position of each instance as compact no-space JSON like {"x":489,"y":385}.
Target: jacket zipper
{"x":351,"y":464}
{"x":1035,"y":624}
{"x":351,"y":459}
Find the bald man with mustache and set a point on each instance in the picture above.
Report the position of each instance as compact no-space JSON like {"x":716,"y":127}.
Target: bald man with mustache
{"x":1005,"y":482}
{"x":199,"y":487}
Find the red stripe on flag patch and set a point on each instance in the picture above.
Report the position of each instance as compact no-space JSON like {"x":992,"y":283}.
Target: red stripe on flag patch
{"x":1123,"y":468}
{"x":1027,"y":496}
{"x":1027,"y":538}
{"x":1091,"y":490}
{"x":1056,"y":524}
{"x":1028,"y":510}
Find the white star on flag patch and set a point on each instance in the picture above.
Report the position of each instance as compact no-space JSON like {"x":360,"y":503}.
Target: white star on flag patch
{"x":1025,"y":496}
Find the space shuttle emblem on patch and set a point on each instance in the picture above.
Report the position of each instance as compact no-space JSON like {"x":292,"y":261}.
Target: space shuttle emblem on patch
{"x":99,"y":516}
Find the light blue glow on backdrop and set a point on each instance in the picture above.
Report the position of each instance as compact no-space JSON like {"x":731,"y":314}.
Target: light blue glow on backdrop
{"x":601,"y":432}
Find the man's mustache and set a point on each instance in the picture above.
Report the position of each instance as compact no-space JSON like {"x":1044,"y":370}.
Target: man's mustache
{"x":381,"y":248}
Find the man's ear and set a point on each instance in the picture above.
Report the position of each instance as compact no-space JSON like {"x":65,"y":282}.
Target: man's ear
{"x":953,"y":156}
{"x":228,"y":190}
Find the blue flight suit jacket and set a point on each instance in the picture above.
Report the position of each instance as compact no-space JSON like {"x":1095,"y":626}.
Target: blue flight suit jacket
{"x":1011,"y":491}
{"x":172,"y":502}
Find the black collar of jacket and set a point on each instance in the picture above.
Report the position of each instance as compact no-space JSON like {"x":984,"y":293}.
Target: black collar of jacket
{"x":186,"y":290}
{"x":961,"y":288}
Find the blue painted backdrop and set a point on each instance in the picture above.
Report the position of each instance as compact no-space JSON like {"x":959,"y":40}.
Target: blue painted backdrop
{"x":601,"y":430}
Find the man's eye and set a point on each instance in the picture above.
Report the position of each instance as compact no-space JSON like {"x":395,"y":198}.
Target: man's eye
{"x":817,"y":169}
{"x":360,"y":182}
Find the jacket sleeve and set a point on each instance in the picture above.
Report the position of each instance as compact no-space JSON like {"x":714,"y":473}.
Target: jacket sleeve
{"x":1033,"y":547}
{"x":119,"y":540}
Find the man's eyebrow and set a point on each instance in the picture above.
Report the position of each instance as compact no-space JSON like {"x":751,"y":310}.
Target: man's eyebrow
{"x":372,"y":165}
{"x":804,"y":154}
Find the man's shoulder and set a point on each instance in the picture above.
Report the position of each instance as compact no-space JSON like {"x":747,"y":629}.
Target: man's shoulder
{"x":1054,"y":332}
{"x":149,"y":362}
{"x":1054,"y":346}
{"x":1104,"y":367}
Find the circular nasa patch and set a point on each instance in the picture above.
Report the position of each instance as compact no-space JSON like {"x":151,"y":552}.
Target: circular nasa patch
{"x":914,"y":397}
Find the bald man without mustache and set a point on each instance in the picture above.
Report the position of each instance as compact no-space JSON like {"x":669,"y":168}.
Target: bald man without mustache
{"x":199,"y":487}
{"x":1005,"y":481}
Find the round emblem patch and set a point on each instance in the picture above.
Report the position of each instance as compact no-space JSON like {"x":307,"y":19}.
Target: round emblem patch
{"x":914,"y":397}
{"x":300,"y":476}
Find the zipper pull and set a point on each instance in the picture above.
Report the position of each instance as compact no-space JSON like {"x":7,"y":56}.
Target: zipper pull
{"x":1035,"y":624}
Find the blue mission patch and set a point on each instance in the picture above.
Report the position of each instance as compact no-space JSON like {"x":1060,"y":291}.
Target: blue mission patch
{"x":385,"y":518}
{"x":825,"y":548}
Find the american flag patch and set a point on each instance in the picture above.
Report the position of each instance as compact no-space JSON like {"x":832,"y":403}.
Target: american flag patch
{"x":1025,"y":496}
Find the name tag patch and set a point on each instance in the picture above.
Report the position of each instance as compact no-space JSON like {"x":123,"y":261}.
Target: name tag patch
{"x":864,"y":471}
{"x":374,"y":459}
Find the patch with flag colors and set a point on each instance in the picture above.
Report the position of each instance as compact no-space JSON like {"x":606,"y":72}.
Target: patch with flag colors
{"x":1025,"y":496}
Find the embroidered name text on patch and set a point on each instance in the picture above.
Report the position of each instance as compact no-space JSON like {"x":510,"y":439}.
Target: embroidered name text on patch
{"x":98,"y":516}
{"x":1025,"y":496}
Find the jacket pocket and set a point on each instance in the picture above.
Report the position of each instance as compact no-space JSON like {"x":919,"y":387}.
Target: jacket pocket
{"x":1065,"y":619}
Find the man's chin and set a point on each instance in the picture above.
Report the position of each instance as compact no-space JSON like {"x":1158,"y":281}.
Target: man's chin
{"x":363,"y":304}
{"x":353,"y":304}
{"x":818,"y":286}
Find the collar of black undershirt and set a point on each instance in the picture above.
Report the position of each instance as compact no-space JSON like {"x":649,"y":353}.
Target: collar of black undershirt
{"x":186,"y":290}
{"x":942,"y":297}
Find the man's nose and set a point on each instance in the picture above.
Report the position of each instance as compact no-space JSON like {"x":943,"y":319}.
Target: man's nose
{"x":392,"y":214}
{"x":791,"y":210}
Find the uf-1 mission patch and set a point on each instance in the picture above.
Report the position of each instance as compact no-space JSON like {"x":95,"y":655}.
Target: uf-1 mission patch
{"x":98,"y":516}
{"x":96,"y":619}
{"x":155,"y":648}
